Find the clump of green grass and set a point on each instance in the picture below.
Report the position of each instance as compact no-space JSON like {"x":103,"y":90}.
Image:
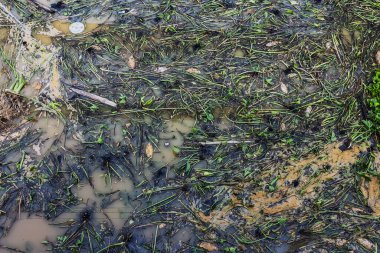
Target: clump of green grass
{"x":373,"y":121}
{"x":19,"y":80}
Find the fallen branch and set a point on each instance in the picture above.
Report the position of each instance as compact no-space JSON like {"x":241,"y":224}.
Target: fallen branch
{"x":224,"y":142}
{"x":95,"y":97}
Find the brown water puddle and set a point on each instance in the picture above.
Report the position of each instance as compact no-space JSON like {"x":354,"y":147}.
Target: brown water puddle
{"x":303,"y":179}
{"x":51,"y":129}
{"x":63,"y":27}
{"x":171,"y":139}
{"x":29,"y":233}
{"x":92,"y":195}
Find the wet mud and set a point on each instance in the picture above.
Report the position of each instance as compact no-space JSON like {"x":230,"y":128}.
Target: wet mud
{"x":188,"y":126}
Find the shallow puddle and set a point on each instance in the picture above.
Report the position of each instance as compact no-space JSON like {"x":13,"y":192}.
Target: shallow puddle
{"x":51,"y":130}
{"x":64,"y":27}
{"x":104,"y":183}
{"x":29,"y":233}
{"x":171,"y":139}
{"x":96,"y":195}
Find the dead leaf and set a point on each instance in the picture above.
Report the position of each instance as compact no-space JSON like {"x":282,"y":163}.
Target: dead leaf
{"x":249,"y":11}
{"x":161,"y":69}
{"x":378,"y":57}
{"x":208,"y":246}
{"x":284,"y":88}
{"x":365,"y":243}
{"x":308,"y":111}
{"x":96,"y":48}
{"x":149,"y":150}
{"x":338,"y":242}
{"x":131,"y":62}
{"x":273,"y":43}
{"x":37,"y":149}
{"x":37,"y":86}
{"x":193,"y":71}
{"x":329,"y":45}
{"x":346,"y":34}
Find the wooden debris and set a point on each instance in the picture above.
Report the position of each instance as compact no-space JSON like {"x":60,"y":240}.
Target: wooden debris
{"x":95,"y":97}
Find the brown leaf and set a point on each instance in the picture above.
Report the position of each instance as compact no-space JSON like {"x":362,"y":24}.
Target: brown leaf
{"x":378,"y":57}
{"x":208,"y":246}
{"x":365,"y":243}
{"x":273,"y":43}
{"x":149,"y":150}
{"x":37,"y":86}
{"x":161,"y":69}
{"x":131,"y":62}
{"x":96,"y":48}
{"x":249,"y":11}
{"x":193,"y":71}
{"x":284,"y":88}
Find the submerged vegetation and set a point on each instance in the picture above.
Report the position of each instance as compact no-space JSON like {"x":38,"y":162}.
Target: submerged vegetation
{"x":190,"y":126}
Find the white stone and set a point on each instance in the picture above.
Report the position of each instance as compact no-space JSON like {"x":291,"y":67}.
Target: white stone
{"x":76,"y":27}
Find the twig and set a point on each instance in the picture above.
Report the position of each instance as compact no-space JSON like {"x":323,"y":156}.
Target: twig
{"x":95,"y":97}
{"x":155,"y":240}
{"x":224,"y":142}
{"x":11,"y":249}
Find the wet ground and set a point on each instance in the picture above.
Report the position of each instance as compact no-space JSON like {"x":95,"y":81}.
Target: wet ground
{"x":188,"y":126}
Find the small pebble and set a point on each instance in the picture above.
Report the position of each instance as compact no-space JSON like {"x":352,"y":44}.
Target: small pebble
{"x":76,"y":28}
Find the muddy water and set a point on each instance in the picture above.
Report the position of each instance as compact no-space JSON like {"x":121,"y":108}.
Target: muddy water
{"x":103,"y":183}
{"x":171,"y":139}
{"x":121,"y":189}
{"x":50,"y":129}
{"x":95,"y":194}
{"x":29,"y":233}
{"x":63,"y":27}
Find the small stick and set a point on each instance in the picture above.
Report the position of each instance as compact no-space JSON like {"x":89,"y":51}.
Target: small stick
{"x":95,"y":97}
{"x":11,"y":249}
{"x":224,"y":142}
